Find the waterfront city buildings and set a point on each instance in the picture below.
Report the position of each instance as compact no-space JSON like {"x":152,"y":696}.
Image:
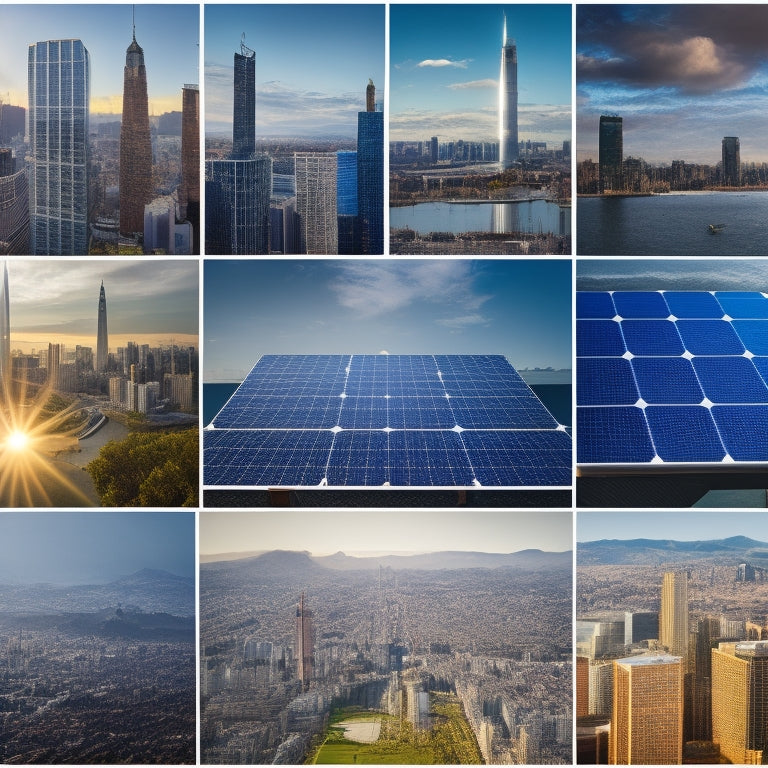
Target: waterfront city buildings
{"x":731,"y":162}
{"x":58,"y":91}
{"x":135,"y":143}
{"x":647,"y":719}
{"x":508,"y":147}
{"x":611,"y":153}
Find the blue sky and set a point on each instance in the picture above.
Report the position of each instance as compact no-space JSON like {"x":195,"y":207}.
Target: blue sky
{"x":57,"y":299}
{"x":681,"y":76}
{"x":681,"y":526}
{"x":313,"y":63}
{"x":444,"y":68}
{"x":350,"y":531}
{"x":93,"y":547}
{"x":517,"y":308}
{"x":169,"y":35}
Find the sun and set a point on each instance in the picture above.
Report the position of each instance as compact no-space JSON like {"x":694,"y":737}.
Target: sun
{"x":17,"y":440}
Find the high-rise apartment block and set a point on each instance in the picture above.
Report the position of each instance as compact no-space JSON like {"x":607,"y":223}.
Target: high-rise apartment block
{"x":731,"y":162}
{"x":370,"y":175}
{"x":59,"y":101}
{"x":508,"y":141}
{"x":611,"y":153}
{"x":740,"y":701}
{"x":673,"y":618}
{"x":647,"y":717}
{"x":316,"y":201}
{"x":135,"y":143}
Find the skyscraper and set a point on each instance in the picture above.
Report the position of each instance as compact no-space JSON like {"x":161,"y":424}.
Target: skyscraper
{"x":59,"y":101}
{"x":5,"y":335}
{"x":508,"y":145}
{"x":189,"y":192}
{"x":740,"y":700}
{"x":135,"y":143}
{"x":611,"y":153}
{"x":102,"y":339}
{"x":305,"y":643}
{"x":244,"y":108}
{"x":14,"y":206}
{"x":647,"y":717}
{"x":370,"y":175}
{"x":316,"y":201}
{"x":731,"y":162}
{"x":673,"y":618}
{"x":346,"y":201}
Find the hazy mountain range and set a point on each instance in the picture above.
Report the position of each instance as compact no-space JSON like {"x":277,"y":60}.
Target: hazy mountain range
{"x":148,"y":589}
{"x":657,"y":551}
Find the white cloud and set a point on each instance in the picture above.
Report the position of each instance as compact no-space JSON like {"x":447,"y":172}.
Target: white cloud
{"x":460,"y":64}
{"x":473,"y":84}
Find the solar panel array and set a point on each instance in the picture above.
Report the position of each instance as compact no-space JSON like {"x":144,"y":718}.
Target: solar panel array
{"x":667,"y":377}
{"x":374,"y":420}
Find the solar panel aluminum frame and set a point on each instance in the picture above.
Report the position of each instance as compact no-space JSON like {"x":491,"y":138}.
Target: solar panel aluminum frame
{"x":412,"y":476}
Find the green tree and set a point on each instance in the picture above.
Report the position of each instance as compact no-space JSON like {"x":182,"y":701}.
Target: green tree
{"x":149,"y":469}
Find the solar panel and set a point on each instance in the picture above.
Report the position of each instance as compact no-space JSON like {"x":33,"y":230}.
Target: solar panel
{"x":385,"y":420}
{"x":671,"y":377}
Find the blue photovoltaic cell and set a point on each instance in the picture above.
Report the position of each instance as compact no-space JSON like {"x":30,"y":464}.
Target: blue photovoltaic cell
{"x":605,"y":381}
{"x":594,"y":304}
{"x":709,"y":337}
{"x":599,"y":338}
{"x":652,"y":337}
{"x":613,"y":435}
{"x":753,"y":334}
{"x":694,"y":304}
{"x":684,"y":433}
{"x":667,"y":380}
{"x":702,"y":380}
{"x":640,"y":304}
{"x":374,"y":420}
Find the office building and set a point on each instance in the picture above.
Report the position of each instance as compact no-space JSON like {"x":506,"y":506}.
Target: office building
{"x":316,"y":201}
{"x":508,"y":143}
{"x":740,"y":700}
{"x":640,"y":626}
{"x":135,"y":143}
{"x":14,"y":206}
{"x":237,"y":206}
{"x":189,"y":191}
{"x":12,"y":121}
{"x":59,"y":94}
{"x":647,"y":714}
{"x":673,"y":618}
{"x":433,"y":150}
{"x":102,"y":337}
{"x":611,"y":154}
{"x":731,"y":162}
{"x":5,"y":335}
{"x":370,"y":176}
{"x":305,"y":644}
{"x":244,"y":109}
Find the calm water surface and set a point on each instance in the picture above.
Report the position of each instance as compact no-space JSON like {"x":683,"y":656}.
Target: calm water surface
{"x":673,"y":225}
{"x":537,"y":216}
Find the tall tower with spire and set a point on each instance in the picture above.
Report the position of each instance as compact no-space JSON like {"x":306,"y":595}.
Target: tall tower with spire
{"x":508,"y":146}
{"x":370,"y":174}
{"x":135,"y":142}
{"x":244,"y":108}
{"x":5,"y":334}
{"x":102,"y":340}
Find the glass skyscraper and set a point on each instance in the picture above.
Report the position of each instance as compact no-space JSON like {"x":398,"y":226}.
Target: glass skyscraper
{"x":59,"y":95}
{"x":370,"y":176}
{"x":244,"y":109}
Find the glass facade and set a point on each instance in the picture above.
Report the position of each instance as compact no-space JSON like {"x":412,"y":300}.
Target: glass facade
{"x":59,"y":95}
{"x":370,"y":181}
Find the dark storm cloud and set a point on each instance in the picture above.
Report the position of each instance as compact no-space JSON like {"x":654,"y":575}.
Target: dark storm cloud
{"x":691,"y":48}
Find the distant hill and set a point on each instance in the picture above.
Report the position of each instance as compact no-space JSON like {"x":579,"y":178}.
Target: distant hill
{"x":149,"y":590}
{"x":658,"y":551}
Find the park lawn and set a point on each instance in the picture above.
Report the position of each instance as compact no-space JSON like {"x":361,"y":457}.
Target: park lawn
{"x":370,"y":754}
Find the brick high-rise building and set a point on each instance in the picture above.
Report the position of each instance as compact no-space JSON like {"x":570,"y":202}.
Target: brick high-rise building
{"x":135,"y":143}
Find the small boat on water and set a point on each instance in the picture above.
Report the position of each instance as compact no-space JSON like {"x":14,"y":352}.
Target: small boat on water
{"x":715,"y":228}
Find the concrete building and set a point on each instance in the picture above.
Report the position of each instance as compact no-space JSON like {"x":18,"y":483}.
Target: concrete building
{"x":305,"y":644}
{"x":647,"y":716}
{"x":316,"y":202}
{"x":508,"y":141}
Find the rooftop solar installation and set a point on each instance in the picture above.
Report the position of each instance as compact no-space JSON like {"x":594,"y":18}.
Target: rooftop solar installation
{"x":672,"y":378}
{"x":385,"y":420}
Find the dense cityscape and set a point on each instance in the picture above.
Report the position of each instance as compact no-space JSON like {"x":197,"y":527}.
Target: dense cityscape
{"x":336,"y":639}
{"x":671,"y":651}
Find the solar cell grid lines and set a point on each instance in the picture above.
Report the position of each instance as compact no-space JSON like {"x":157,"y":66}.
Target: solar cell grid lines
{"x":385,"y":420}
{"x":672,"y":377}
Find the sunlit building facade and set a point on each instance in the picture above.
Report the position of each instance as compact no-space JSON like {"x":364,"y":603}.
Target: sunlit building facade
{"x":673,"y":618}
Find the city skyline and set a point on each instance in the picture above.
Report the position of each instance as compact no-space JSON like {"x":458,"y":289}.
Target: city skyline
{"x":93,"y":547}
{"x":392,"y":306}
{"x":57,"y":301}
{"x":168,"y":34}
{"x":359,"y":532}
{"x":308,"y":82}
{"x":446,"y":82}
{"x":681,"y":76}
